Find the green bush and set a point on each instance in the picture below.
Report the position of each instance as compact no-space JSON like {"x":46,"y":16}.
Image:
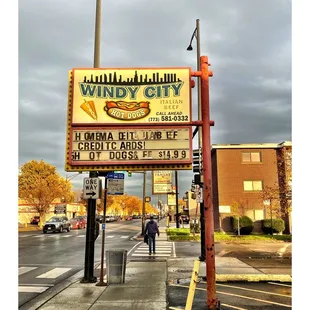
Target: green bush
{"x":278,"y":226}
{"x":178,"y":231}
{"x":245,"y":223}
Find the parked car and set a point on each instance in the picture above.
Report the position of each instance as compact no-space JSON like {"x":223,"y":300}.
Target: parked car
{"x":35,"y":220}
{"x":129,"y":218}
{"x":57,"y":224}
{"x":109,"y":219}
{"x":78,"y":222}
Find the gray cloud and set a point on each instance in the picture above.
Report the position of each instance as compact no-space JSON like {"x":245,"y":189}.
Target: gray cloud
{"x":248,"y":44}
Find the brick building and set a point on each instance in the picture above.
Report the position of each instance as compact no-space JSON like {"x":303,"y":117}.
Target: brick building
{"x":241,"y":173}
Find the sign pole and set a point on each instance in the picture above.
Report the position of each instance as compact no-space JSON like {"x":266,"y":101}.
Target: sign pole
{"x":101,"y":283}
{"x":176,"y":199}
{"x":143,"y":203}
{"x":212,"y":301}
{"x":91,"y":208}
{"x":90,"y":239}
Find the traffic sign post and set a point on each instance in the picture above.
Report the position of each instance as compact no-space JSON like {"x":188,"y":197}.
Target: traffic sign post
{"x":91,"y":190}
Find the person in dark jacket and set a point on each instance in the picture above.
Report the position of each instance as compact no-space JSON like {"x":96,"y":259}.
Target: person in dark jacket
{"x":151,"y":229}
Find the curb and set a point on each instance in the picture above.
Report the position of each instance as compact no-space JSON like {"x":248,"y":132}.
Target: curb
{"x":252,"y":278}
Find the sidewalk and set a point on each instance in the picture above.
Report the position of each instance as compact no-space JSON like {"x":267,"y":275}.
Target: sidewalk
{"x":146,"y":282}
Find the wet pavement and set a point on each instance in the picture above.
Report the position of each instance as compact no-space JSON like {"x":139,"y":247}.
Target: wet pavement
{"x":147,"y":281}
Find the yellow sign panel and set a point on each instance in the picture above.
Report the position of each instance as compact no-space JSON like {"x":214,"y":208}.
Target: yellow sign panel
{"x":120,"y":96}
{"x":171,"y":199}
{"x":162,"y":182}
{"x":130,"y":146}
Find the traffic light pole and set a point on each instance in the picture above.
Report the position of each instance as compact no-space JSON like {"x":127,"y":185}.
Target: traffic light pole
{"x":212,"y":302}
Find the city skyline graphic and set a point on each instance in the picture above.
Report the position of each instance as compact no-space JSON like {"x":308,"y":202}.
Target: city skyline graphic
{"x":114,"y":79}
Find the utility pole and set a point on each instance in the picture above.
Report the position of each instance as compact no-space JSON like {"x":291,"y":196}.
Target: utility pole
{"x":196,"y":34}
{"x":91,"y":206}
{"x":212,"y":301}
{"x":202,"y":256}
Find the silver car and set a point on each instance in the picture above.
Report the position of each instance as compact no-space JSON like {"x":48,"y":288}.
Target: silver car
{"x":57,"y":224}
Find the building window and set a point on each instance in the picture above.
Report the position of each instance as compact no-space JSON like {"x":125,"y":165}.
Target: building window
{"x":254,"y":157}
{"x":252,"y":185}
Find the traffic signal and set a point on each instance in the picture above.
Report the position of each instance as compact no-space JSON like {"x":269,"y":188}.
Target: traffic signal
{"x":197,"y":161}
{"x":129,"y":173}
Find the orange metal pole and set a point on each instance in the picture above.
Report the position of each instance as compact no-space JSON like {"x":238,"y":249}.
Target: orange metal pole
{"x":212,"y":301}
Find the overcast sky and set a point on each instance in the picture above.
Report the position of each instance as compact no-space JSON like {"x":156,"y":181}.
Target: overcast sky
{"x":248,"y":44}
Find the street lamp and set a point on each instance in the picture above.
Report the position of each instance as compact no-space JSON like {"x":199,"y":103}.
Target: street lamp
{"x":196,"y":34}
{"x":72,"y":176}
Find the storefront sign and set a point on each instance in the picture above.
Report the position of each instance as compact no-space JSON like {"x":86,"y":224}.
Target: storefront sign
{"x":120,"y":96}
{"x":134,"y":146}
{"x":162,"y":182}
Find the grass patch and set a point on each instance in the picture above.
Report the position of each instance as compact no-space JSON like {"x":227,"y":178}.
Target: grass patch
{"x":183,"y":234}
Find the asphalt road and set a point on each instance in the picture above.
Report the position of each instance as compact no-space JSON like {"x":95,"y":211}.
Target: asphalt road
{"x":239,"y":296}
{"x":48,"y":259}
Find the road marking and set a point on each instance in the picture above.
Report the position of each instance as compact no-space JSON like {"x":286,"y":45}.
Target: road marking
{"x":124,"y":236}
{"x":54,"y":273}
{"x":81,"y":236}
{"x":32,"y":289}
{"x":22,"y":270}
{"x":173,"y":250}
{"x":283,"y":249}
{"x":67,"y":236}
{"x":24,"y":236}
{"x":39,"y":236}
{"x":240,"y":296}
{"x":252,"y":290}
{"x":110,"y":236}
{"x":222,"y":253}
{"x":281,"y":284}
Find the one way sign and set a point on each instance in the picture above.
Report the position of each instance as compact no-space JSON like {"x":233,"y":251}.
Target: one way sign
{"x":92,"y":188}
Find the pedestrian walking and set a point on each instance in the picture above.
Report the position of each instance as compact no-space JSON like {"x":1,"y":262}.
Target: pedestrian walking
{"x":151,"y":229}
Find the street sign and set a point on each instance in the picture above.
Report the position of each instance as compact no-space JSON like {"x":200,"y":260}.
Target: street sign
{"x":60,"y":208}
{"x":103,"y":226}
{"x":92,"y":188}
{"x":115,"y":183}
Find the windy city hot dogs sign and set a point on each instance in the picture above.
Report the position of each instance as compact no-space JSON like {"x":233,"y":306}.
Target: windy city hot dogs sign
{"x":120,"y":96}
{"x":112,"y":113}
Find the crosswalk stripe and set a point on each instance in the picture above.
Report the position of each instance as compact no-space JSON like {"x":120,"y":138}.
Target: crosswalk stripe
{"x":110,"y":236}
{"x":81,"y":236}
{"x":22,"y":270}
{"x":54,"y":273}
{"x":32,"y":289}
{"x":67,"y":236}
{"x":39,"y":236}
{"x":124,"y":236}
{"x":149,"y":255}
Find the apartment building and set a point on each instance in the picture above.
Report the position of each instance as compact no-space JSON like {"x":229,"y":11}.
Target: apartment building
{"x":241,"y":175}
